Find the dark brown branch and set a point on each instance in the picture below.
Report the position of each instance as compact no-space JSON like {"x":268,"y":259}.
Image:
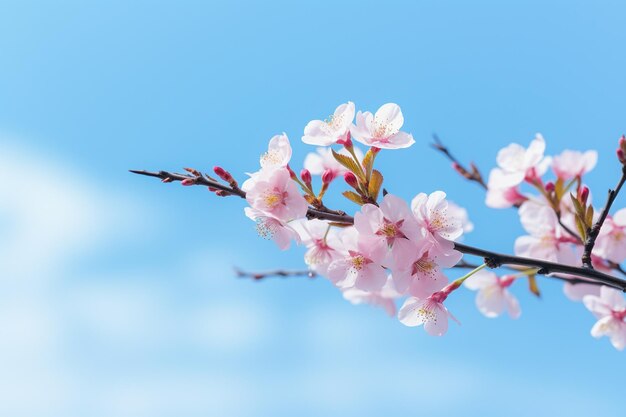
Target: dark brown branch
{"x":493,"y":259}
{"x":592,"y":233}
{"x":472,"y":174}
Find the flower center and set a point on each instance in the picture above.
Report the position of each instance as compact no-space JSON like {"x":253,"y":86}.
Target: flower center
{"x":618,"y":315}
{"x":391,"y":230}
{"x":382,"y":128}
{"x":266,"y":227}
{"x":358,"y":260}
{"x":274,"y":197}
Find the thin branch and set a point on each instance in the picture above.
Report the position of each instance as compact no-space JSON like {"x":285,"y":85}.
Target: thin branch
{"x":472,"y":174}
{"x":493,"y":259}
{"x":592,"y":233}
{"x":275,"y":273}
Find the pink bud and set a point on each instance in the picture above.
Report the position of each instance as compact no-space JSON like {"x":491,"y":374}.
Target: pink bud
{"x":622,"y":142}
{"x":550,"y":187}
{"x":584,"y":194}
{"x":328,"y":176}
{"x":351,"y":179}
{"x":291,"y":173}
{"x":222,"y":173}
{"x":621,"y":156}
{"x":188,"y":181}
{"x":306,"y":176}
{"x":458,"y":168}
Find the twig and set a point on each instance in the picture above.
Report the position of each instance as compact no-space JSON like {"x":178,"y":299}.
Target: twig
{"x":493,"y":259}
{"x":275,"y":273}
{"x":472,"y":174}
{"x":592,"y":233}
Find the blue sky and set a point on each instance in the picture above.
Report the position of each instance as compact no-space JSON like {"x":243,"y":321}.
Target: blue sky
{"x":117,"y":296}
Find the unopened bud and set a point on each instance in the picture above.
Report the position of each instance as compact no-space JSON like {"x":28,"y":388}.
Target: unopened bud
{"x":291,"y":173}
{"x":221,"y":193}
{"x":166,"y":180}
{"x":621,"y":156}
{"x":306,"y":177}
{"x":622,"y":142}
{"x":584,"y":194}
{"x":350,"y":179}
{"x":188,"y":181}
{"x":223,"y":174}
{"x":550,"y":187}
{"x":458,"y":168}
{"x":328,"y":176}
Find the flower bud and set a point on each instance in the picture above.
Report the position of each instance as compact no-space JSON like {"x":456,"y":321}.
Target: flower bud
{"x":621,"y":156}
{"x":350,"y":179}
{"x":291,"y":173}
{"x":306,"y":177}
{"x":328,"y":176}
{"x":550,"y":187}
{"x":188,"y":181}
{"x":222,"y":173}
{"x":583,"y":194}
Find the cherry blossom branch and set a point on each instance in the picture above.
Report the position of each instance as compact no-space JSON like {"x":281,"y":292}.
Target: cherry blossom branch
{"x":592,"y":233}
{"x":472,"y":174}
{"x":275,"y":273}
{"x":493,"y":259}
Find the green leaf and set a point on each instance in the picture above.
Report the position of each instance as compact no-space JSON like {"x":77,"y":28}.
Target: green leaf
{"x":577,"y":206}
{"x":350,"y":164}
{"x":589,"y":216}
{"x":354,"y":197}
{"x":581,"y":228}
{"x":376,"y":181}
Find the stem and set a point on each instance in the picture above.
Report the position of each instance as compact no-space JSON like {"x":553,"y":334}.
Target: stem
{"x":471,"y":174}
{"x":277,"y":273}
{"x":492,"y":259}
{"x":592,"y":233}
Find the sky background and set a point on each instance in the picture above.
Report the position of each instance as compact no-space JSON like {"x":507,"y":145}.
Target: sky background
{"x":117,"y":294}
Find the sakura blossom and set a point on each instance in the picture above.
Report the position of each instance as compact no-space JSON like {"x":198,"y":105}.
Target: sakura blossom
{"x":278,"y":152}
{"x":388,"y":223}
{"x":431,"y":212}
{"x":573,"y":164}
{"x":460,"y":214}
{"x":429,"y":312}
{"x":516,"y":163}
{"x":382,"y":129}
{"x":335,"y":129}
{"x":270,"y":227}
{"x":321,"y":241}
{"x":384,"y":298}
{"x":611,"y":243}
{"x":275,"y":194}
{"x":610,"y":310}
{"x":502,"y":197}
{"x":493,"y":296}
{"x":546,"y":240}
{"x":359,"y":263}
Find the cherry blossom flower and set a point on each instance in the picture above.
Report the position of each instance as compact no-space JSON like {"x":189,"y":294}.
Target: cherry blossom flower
{"x":611,"y":242}
{"x":278,"y":152}
{"x":515,"y":163}
{"x":545,"y":240}
{"x":390,"y":222}
{"x":270,"y":227}
{"x":493,"y":296}
{"x":417,"y":268}
{"x":384,"y":298}
{"x":323,"y":160}
{"x":460,"y":213}
{"x":502,"y":197}
{"x":359,"y":263}
{"x":382,"y":129}
{"x":429,"y":311}
{"x":575,"y":292}
{"x":431,"y":212}
{"x":274,"y":193}
{"x":335,"y":129}
{"x":321,"y":241}
{"x":574,"y":164}
{"x":610,"y":310}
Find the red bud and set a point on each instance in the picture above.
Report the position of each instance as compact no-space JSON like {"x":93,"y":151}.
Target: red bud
{"x":188,"y":181}
{"x":621,"y":156}
{"x":584,"y":194}
{"x":293,"y":174}
{"x":351,"y":179}
{"x":306,"y":177}
{"x":550,"y":187}
{"x":328,"y":176}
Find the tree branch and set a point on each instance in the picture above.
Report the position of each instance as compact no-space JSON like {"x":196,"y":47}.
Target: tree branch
{"x":493,"y":259}
{"x":592,"y":233}
{"x":275,"y":273}
{"x":472,"y":174}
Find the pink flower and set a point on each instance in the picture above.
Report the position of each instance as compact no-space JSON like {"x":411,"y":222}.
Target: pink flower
{"x":611,"y":243}
{"x":321,"y":241}
{"x":610,"y":309}
{"x":573,"y":164}
{"x":274,"y":193}
{"x":382,"y":129}
{"x":359,"y":263}
{"x":545,"y":240}
{"x":269,"y":227}
{"x":323,"y":160}
{"x":430,"y":312}
{"x":417,"y":268}
{"x":384,"y":298}
{"x":390,"y":222}
{"x":493,"y":296}
{"x":502,"y":197}
{"x":278,"y":152}
{"x":333,"y":130}
{"x":460,"y":214}
{"x":576,"y":292}
{"x":431,"y":212}
{"x":515,"y":163}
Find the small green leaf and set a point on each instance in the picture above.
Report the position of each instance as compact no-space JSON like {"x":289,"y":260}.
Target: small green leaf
{"x":581,"y":228}
{"x":589,"y":216}
{"x":354,"y":197}
{"x":577,"y":206}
